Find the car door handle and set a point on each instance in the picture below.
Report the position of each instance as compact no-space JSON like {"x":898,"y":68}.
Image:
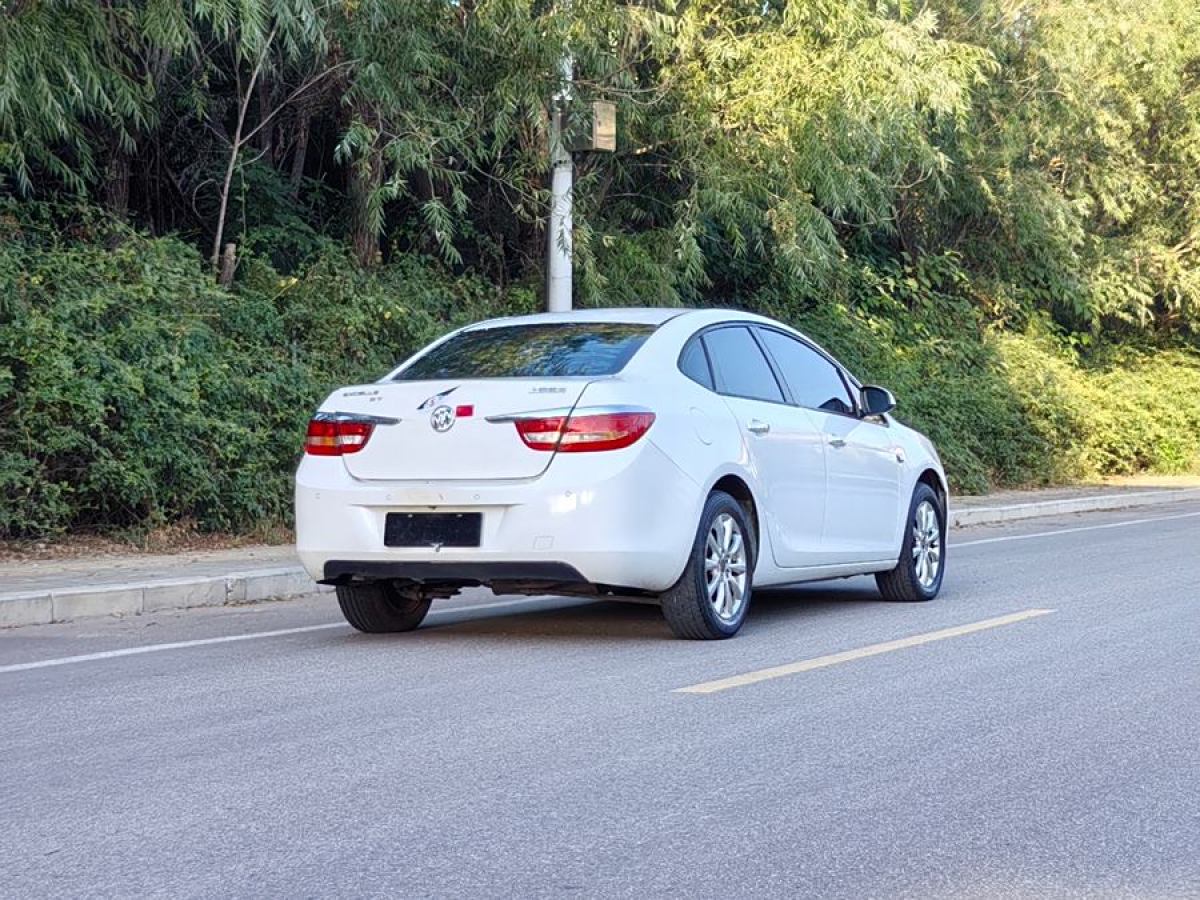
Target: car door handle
{"x":758,"y":426}
{"x":837,"y":442}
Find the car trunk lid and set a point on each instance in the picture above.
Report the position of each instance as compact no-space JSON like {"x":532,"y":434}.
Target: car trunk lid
{"x":432,"y":430}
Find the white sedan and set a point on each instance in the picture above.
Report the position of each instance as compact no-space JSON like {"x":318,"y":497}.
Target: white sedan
{"x":688,"y":455}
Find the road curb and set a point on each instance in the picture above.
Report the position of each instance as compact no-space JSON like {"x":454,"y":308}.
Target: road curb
{"x":285,"y":582}
{"x":995,"y":515}
{"x":154,"y":595}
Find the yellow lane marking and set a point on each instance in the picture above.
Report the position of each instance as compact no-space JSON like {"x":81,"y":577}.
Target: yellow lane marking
{"x":833,"y":659}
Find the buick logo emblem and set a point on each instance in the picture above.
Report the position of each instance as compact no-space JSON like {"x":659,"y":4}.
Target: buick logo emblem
{"x":442,"y":418}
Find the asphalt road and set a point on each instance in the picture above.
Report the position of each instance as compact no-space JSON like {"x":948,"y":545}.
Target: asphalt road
{"x":542,"y":748}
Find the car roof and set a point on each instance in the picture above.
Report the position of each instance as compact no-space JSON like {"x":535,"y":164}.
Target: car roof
{"x":634,"y":315}
{"x":637,"y":315}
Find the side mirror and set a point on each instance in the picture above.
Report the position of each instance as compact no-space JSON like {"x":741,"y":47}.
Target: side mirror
{"x":875,"y":401}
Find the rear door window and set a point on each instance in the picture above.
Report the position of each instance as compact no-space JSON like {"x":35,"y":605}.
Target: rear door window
{"x":738,"y":363}
{"x":548,"y":350}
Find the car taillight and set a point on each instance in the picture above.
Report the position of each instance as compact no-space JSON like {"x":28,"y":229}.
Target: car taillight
{"x":584,"y":432}
{"x":329,"y":436}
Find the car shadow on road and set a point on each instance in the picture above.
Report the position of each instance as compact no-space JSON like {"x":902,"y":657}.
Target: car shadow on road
{"x":636,"y":620}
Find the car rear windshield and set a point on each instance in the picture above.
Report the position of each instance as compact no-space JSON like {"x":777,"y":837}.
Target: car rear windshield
{"x":532,"y":351}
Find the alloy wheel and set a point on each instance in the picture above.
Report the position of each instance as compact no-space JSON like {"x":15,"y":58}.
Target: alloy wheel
{"x":927,"y":544}
{"x":725,"y":567}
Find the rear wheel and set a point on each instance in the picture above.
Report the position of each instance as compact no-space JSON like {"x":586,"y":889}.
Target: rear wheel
{"x":918,"y":575}
{"x":380,"y":607}
{"x":711,"y":598}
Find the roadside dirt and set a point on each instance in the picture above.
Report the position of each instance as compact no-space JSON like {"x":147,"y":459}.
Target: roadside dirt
{"x":175,"y":539}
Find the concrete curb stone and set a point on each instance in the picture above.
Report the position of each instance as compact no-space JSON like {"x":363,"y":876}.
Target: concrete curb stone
{"x":278,"y":583}
{"x":995,"y":515}
{"x":180,"y":593}
{"x":26,"y":609}
{"x":62,"y":604}
{"x":120,"y":600}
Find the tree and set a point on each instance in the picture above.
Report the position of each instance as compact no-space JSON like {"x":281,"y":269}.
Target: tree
{"x":821,"y":113}
{"x":65,"y":91}
{"x":1082,"y":162}
{"x":258,"y":41}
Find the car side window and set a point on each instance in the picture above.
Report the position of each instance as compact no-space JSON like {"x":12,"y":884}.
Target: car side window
{"x":694,"y":364}
{"x":739,"y":366}
{"x":814,"y":381}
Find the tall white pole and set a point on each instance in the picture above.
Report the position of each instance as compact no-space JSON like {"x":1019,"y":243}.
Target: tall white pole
{"x":562,"y":175}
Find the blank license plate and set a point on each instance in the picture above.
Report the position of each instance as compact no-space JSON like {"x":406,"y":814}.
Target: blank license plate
{"x":430,"y":529}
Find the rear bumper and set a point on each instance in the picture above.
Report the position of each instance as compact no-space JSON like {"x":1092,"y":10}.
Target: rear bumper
{"x":625,"y":519}
{"x":340,"y":571}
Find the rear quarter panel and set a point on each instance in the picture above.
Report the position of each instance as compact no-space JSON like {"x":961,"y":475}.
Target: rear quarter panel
{"x":693,"y":427}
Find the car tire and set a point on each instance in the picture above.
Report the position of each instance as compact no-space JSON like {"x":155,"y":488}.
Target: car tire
{"x":918,"y":575}
{"x":711,"y":598}
{"x":378,"y":607}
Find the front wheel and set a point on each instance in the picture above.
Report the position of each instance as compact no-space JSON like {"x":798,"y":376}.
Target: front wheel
{"x":379,"y":607}
{"x":918,"y":575}
{"x":710,"y":600}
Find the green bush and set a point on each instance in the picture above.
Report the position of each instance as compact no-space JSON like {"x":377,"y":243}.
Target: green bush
{"x":134,"y":392}
{"x":1115,"y":415}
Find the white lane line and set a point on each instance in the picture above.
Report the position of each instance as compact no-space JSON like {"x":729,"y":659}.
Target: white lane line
{"x":833,"y":659}
{"x":1042,"y":534}
{"x":226,"y":639}
{"x":159,"y":648}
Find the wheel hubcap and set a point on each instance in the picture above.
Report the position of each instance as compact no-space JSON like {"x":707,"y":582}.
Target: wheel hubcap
{"x":927,"y":544}
{"x":725,"y":567}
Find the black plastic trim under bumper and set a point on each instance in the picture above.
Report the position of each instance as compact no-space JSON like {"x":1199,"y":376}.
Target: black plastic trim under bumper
{"x":339,"y":571}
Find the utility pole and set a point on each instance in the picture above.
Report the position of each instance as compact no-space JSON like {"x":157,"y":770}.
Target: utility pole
{"x":560,"y":238}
